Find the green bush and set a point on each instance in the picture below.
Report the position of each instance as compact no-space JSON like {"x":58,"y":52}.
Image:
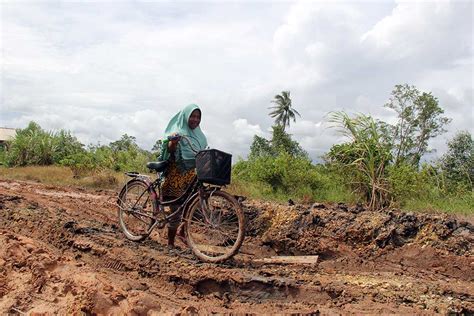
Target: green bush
{"x":428,"y":189}
{"x":81,"y":163}
{"x":103,"y":157}
{"x":280,"y":169}
{"x":66,"y":145}
{"x":457,"y":163}
{"x":34,"y":146}
{"x":31,"y":146}
{"x":3,"y":155}
{"x":364,"y":158}
{"x":131,"y":160}
{"x":285,"y":176}
{"x":336,"y":188}
{"x":126,"y":155}
{"x":404,"y":181}
{"x":280,"y":142}
{"x":409,"y":184}
{"x":282,"y":173}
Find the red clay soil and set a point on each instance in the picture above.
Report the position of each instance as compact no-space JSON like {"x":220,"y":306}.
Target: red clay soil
{"x":61,"y":252}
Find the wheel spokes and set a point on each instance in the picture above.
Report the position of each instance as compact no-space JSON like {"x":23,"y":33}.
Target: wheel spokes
{"x":137,"y":210}
{"x":214,"y":230}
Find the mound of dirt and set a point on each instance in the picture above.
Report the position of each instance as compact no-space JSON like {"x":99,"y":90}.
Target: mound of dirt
{"x":323,"y":229}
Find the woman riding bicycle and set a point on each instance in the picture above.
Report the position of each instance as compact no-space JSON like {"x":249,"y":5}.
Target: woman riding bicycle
{"x":181,"y":156}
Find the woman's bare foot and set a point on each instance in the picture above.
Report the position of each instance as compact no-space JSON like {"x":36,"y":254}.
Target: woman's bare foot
{"x":180,"y":234}
{"x":171,"y":236}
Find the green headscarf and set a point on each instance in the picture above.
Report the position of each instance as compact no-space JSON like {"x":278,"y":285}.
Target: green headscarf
{"x":179,"y":124}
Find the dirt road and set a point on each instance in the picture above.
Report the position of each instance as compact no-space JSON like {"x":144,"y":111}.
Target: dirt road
{"x":61,"y":252}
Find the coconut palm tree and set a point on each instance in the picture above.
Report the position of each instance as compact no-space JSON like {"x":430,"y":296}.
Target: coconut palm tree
{"x":283,"y":111}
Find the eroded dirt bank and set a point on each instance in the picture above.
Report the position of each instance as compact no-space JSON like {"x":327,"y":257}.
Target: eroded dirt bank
{"x":61,"y":252}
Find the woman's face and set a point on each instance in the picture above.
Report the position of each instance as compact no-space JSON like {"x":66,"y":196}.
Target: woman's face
{"x":194,"y":119}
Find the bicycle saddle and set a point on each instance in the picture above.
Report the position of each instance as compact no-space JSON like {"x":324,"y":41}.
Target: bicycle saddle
{"x":158,"y":166}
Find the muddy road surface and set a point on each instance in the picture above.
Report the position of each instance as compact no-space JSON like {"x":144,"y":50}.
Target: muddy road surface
{"x":61,"y":252}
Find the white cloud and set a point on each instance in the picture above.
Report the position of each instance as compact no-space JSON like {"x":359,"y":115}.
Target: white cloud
{"x":435,"y":32}
{"x":244,"y":129}
{"x":102,"y":69}
{"x":235,"y":138}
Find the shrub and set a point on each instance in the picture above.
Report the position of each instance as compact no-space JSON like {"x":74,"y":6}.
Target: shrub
{"x":284,"y":174}
{"x":458,"y":163}
{"x":34,"y":146}
{"x":3,"y":155}
{"x":81,"y":164}
{"x":31,"y":146}
{"x":407,"y":183}
{"x":364,"y":158}
{"x":65,"y":145}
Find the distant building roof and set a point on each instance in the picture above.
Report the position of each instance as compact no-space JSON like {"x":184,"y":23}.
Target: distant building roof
{"x":6,"y":133}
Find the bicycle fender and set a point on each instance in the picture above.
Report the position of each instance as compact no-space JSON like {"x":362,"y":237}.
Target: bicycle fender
{"x":139,"y":178}
{"x":195,"y":196}
{"x":145,"y":179}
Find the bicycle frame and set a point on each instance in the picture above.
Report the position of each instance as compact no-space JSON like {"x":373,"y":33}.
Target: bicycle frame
{"x":196,"y":190}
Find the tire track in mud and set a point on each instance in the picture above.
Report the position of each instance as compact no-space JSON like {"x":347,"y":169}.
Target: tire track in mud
{"x":75,"y":259}
{"x":69,"y":238}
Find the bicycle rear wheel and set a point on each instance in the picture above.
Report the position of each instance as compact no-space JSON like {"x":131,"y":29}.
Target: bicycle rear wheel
{"x":135,"y":210}
{"x":215,"y":232}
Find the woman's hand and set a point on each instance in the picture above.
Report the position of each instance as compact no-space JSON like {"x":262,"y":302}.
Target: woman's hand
{"x":173,"y":141}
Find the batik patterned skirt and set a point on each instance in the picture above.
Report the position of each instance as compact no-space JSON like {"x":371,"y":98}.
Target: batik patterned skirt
{"x":176,"y":183}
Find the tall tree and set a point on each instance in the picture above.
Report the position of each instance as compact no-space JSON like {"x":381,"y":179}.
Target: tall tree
{"x":260,"y":148}
{"x":125,"y":143}
{"x":283,"y":110}
{"x":419,"y":119}
{"x":281,"y":142}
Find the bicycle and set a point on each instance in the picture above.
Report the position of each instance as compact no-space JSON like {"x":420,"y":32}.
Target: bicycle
{"x":212,"y":219}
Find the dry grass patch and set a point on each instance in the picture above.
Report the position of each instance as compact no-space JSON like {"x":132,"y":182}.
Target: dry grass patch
{"x":63,"y":176}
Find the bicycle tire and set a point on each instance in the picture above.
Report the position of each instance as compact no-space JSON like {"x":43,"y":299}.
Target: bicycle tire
{"x":135,"y":197}
{"x":202,"y":227}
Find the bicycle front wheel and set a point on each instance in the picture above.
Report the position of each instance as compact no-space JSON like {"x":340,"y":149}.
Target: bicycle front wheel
{"x":135,"y":211}
{"x":215,"y":230}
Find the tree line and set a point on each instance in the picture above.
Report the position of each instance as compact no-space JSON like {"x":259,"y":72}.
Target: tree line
{"x":35,"y":146}
{"x":379,"y":164}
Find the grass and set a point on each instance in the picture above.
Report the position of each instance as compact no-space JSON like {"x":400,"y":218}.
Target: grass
{"x":335,"y":192}
{"x":331,"y":192}
{"x":63,"y":176}
{"x":257,"y":191}
{"x":463,"y":204}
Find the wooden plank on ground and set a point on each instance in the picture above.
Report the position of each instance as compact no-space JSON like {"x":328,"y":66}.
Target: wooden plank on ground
{"x":289,"y":259}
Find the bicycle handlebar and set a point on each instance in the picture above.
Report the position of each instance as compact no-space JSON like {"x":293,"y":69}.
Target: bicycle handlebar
{"x":179,"y":137}
{"x":174,"y":137}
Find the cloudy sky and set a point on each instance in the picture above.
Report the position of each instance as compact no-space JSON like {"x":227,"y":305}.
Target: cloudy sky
{"x":104,"y":68}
